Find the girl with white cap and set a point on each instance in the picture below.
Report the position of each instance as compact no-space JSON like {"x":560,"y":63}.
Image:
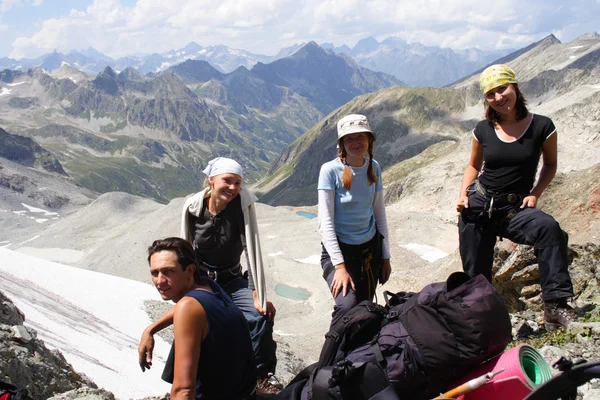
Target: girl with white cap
{"x":352,"y":220}
{"x":498,"y":196}
{"x":220,"y":222}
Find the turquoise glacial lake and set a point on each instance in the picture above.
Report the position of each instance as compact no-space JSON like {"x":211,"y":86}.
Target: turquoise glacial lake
{"x":306,"y":214}
{"x":291,"y":292}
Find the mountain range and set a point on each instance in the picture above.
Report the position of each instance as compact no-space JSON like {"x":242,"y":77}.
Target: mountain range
{"x":414,"y":64}
{"x":149,"y":135}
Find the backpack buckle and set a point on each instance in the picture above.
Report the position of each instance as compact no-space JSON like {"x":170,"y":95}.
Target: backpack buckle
{"x":393,"y":314}
{"x":333,"y":335}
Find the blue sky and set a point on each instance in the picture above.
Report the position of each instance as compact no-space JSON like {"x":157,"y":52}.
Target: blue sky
{"x":29,"y":28}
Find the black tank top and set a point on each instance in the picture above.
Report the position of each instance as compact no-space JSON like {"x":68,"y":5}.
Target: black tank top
{"x":226,"y":369}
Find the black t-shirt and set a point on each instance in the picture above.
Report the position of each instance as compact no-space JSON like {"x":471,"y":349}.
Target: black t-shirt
{"x":510,"y":167}
{"x":217,"y":238}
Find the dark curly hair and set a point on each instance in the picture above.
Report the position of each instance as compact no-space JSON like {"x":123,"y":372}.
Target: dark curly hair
{"x":182,"y":248}
{"x":520,"y":106}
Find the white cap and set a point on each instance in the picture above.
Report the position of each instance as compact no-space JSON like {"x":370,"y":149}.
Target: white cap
{"x":353,"y":123}
{"x":222,"y":165}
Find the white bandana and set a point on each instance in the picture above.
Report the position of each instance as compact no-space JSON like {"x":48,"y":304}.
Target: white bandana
{"x":223,"y":165}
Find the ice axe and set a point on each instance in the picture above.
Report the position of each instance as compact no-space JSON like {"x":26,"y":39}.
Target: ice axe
{"x":468,"y":386}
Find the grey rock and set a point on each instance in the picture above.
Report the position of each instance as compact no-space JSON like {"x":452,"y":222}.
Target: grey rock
{"x":86,"y":393}
{"x":527,"y":274}
{"x":29,"y":364}
{"x":524,"y":331}
{"x":21,"y":334}
{"x":9,"y":313}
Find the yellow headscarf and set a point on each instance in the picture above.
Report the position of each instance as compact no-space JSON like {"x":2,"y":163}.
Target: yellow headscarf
{"x":494,"y":76}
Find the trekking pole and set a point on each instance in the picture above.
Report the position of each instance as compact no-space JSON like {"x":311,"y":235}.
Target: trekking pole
{"x":469,"y":386}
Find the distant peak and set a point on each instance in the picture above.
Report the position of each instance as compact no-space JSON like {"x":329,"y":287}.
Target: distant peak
{"x":366,"y":44}
{"x":587,"y":36}
{"x":550,"y":39}
{"x":192,"y":46}
{"x":368,"y":39}
{"x":130,"y":73}
{"x":311,"y":47}
{"x":106,"y":75}
{"x":241,"y":70}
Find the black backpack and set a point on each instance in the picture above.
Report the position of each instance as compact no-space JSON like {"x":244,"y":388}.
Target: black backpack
{"x":413,"y":348}
{"x":11,"y":392}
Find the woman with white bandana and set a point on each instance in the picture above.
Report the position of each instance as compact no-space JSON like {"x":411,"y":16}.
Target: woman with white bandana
{"x":220,"y":222}
{"x":498,"y":196}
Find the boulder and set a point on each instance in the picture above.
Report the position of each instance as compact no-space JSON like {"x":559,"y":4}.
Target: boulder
{"x":516,"y":276}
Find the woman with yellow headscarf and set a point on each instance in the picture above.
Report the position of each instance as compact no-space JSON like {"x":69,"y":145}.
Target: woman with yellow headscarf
{"x":499,"y":194}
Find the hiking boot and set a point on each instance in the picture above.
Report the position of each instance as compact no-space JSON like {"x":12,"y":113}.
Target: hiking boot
{"x":558,"y":314}
{"x":268,"y":385}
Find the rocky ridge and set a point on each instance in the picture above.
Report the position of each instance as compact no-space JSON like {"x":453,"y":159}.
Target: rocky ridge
{"x":26,"y":362}
{"x":27,"y":152}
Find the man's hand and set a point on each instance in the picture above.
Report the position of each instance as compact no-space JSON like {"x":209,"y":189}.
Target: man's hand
{"x":269,"y":312}
{"x":145,"y":350}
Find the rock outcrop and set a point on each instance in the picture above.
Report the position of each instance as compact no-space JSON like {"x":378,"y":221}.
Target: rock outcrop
{"x":516,"y":276}
{"x":26,"y":151}
{"x":26,"y":362}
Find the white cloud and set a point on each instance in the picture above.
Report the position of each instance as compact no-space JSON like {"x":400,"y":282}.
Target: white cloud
{"x":265,"y":26}
{"x":6,"y":5}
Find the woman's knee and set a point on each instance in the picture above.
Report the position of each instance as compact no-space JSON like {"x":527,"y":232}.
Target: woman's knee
{"x":343,"y":304}
{"x":548,"y":232}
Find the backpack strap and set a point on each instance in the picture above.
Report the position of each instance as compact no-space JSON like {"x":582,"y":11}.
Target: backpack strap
{"x":318,"y":384}
{"x":386,"y":394}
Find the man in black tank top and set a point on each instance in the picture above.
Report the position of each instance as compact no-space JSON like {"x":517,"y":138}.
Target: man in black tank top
{"x":212,"y":356}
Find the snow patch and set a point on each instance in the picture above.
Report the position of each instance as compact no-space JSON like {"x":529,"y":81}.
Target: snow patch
{"x":281,"y":333}
{"x":29,"y":240}
{"x":315,"y":259}
{"x":15,"y":84}
{"x":279,"y":253}
{"x":38,"y":210}
{"x":427,"y":253}
{"x":164,"y":65}
{"x":93,"y":319}
{"x":5,"y":91}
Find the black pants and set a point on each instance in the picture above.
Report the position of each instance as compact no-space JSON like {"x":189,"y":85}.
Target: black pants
{"x":355,"y":260}
{"x":477,"y":236}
